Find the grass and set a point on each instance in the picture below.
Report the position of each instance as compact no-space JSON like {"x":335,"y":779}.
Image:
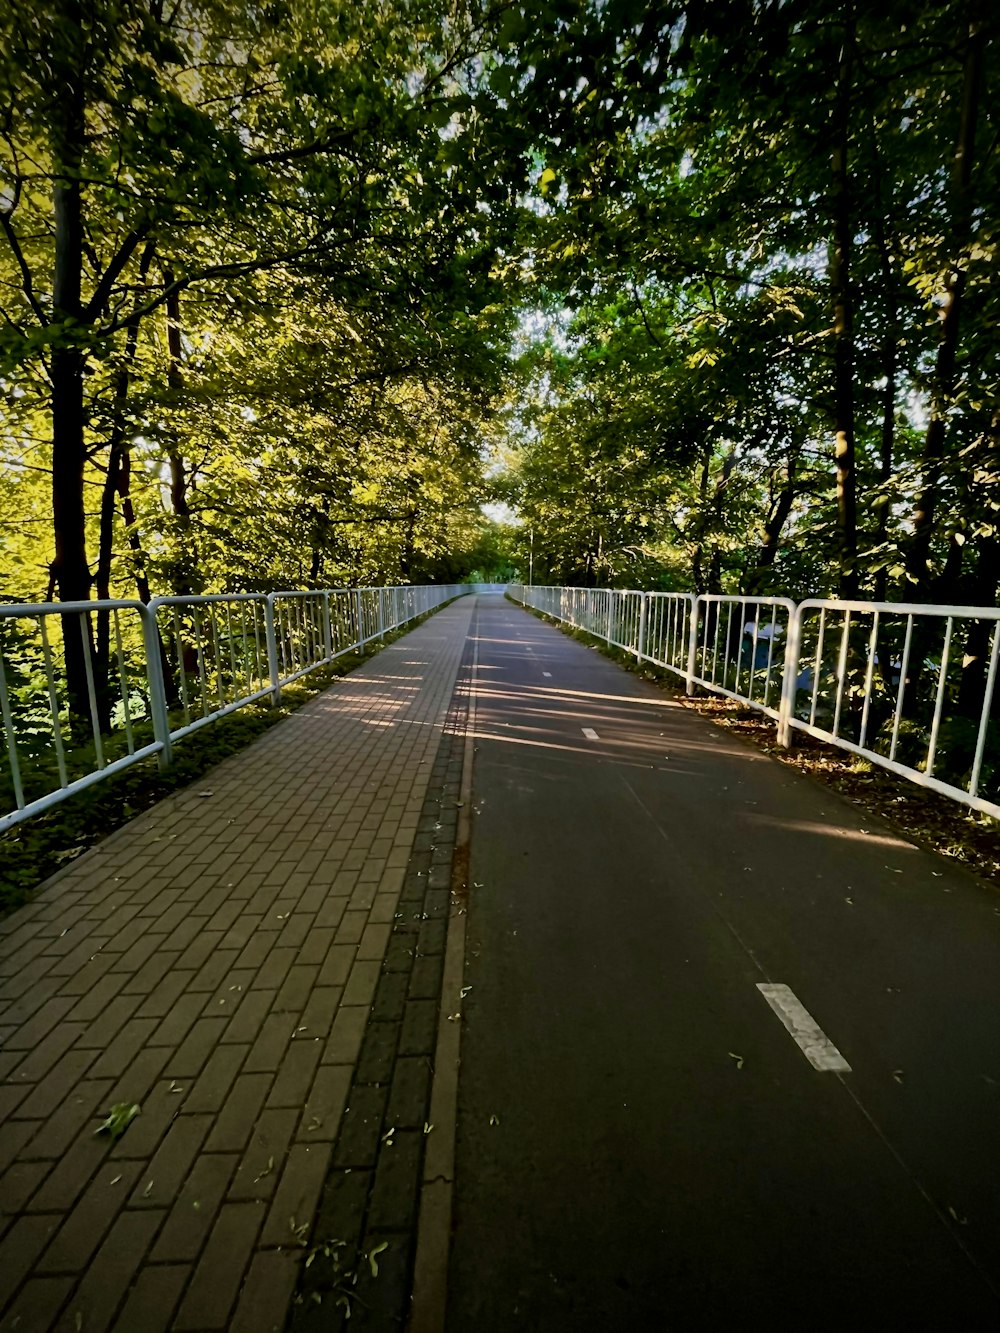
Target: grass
{"x":926,"y":818}
{"x":32,"y":851}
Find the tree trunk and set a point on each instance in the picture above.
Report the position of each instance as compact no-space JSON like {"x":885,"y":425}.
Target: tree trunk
{"x":72,"y":569}
{"x":771,"y":540}
{"x":918,"y":556}
{"x":184,"y":560}
{"x":843,"y":327}
{"x":890,"y":368}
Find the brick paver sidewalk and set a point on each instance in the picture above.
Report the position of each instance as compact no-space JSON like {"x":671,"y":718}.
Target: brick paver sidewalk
{"x":214,"y":961}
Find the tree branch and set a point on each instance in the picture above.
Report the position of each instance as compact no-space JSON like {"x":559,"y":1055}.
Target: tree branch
{"x":27,"y":285}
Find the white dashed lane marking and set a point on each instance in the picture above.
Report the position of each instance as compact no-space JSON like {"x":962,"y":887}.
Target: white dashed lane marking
{"x":807,"y":1034}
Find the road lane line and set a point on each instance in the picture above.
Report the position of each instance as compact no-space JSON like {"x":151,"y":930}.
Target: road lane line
{"x":548,"y":674}
{"x":807,"y":1034}
{"x":590,"y":733}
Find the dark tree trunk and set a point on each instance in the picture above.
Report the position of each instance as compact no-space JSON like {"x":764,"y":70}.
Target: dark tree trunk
{"x":918,"y":556}
{"x":979,"y":639}
{"x":771,"y":541}
{"x":890,"y":368}
{"x":72,"y":569}
{"x":843,"y":328}
{"x":184,"y":558}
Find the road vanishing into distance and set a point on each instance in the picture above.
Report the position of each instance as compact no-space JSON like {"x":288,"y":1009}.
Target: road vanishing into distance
{"x":731,"y":1049}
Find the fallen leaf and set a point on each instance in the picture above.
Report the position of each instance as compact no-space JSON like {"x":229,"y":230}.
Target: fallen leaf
{"x":119,"y":1118}
{"x":371,"y":1257}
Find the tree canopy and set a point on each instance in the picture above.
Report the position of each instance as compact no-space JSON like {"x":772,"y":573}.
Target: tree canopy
{"x":704,"y":292}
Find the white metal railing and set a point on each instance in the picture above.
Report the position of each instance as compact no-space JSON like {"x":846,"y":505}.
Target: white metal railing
{"x":89,"y":688}
{"x":909,"y":687}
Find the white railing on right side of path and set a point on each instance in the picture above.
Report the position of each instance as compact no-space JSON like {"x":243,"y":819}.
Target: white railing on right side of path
{"x":147,"y":675}
{"x":909,"y":687}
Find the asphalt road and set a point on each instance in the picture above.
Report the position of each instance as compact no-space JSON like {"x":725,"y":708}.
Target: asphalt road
{"x":641,"y":1143}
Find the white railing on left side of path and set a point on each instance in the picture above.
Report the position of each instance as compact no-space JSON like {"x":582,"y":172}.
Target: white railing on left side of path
{"x":148,"y":675}
{"x":911,"y":688}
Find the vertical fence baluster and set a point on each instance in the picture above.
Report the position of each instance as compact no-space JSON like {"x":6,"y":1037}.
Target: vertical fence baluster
{"x":11,"y":739}
{"x":123,"y":678}
{"x":984,"y":720}
{"x":904,"y":667}
{"x":939,"y":701}
{"x":50,"y":684}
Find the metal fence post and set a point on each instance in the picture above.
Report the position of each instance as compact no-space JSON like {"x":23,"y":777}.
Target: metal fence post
{"x":272,"y":650}
{"x":640,"y":650}
{"x":327,"y":628}
{"x":157,"y":686}
{"x":789,"y":676}
{"x":359,"y":613}
{"x":692,"y":646}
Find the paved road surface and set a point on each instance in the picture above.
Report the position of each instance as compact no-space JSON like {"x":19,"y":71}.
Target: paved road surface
{"x":641,"y":1143}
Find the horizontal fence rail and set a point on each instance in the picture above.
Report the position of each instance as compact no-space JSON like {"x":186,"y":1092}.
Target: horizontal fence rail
{"x":89,"y":688}
{"x":909,"y":687}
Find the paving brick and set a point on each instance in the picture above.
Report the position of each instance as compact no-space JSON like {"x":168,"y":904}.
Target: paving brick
{"x":318,"y":1015}
{"x":273,"y":969}
{"x":346,"y":1035}
{"x":85,"y":1227}
{"x":352,"y":927}
{"x":235,"y":1122}
{"x":269,"y":1048}
{"x":19,"y":1250}
{"x":390,"y":997}
{"x":213,"y":1084}
{"x":315,"y":945}
{"x":28,"y":1035}
{"x":175,"y":1026}
{"x":71,"y":1174}
{"x":360,"y":988}
{"x":18,"y":1183}
{"x":38,"y":1304}
{"x":165,"y":995}
{"x":161,"y":1181}
{"x":108,"y":1278}
{"x":298,"y":1191}
{"x":55,"y":1065}
{"x":361,"y":1127}
{"x":378,"y":1053}
{"x":374,"y":941}
{"x":397,"y":1183}
{"x":194,"y":1211}
{"x":211,"y":973}
{"x":425,"y":979}
{"x":419,"y":1028}
{"x":337,"y":964}
{"x":324,"y":1106}
{"x":295,"y":1075}
{"x":260,"y":1166}
{"x":203,"y":1038}
{"x":154,"y":1298}
{"x":121,"y":1052}
{"x":219,"y":1273}
{"x":246,"y":1023}
{"x":14,"y":1134}
{"x":409,"y":1094}
{"x":295,"y":990}
{"x":267,"y":1293}
{"x":331,"y":912}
